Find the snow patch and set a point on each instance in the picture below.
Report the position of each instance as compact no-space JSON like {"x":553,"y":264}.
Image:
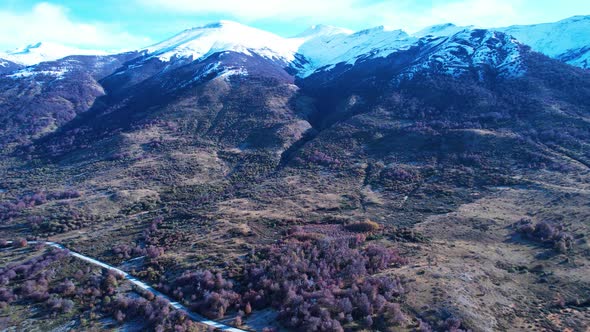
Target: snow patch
{"x":233,"y":72}
{"x":58,"y":73}
{"x":215,"y":70}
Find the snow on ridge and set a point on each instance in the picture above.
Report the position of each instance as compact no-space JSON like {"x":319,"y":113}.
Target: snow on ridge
{"x":323,"y":30}
{"x":197,"y":43}
{"x":322,"y":47}
{"x":210,"y":71}
{"x":326,"y":51}
{"x":334,"y":46}
{"x":44,"y":51}
{"x":441,"y":30}
{"x":472,"y":49}
{"x":557,"y":40}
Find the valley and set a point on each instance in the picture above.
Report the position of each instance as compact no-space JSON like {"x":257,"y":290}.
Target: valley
{"x":333,"y":181}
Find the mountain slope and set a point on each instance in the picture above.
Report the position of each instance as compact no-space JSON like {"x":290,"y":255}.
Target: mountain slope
{"x":39,"y":99}
{"x":208,"y":151}
{"x":8,"y":66}
{"x":360,"y":140}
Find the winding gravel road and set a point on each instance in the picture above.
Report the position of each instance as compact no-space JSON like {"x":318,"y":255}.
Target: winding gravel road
{"x":195,"y":317}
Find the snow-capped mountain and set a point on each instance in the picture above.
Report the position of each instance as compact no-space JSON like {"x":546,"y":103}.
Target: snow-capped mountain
{"x":318,"y":48}
{"x":8,"y":66}
{"x":567,"y":40}
{"x":44,"y":51}
{"x":223,"y":36}
{"x":325,"y":48}
{"x":477,"y":55}
{"x":322,"y":30}
{"x":441,"y":30}
{"x":73,"y":65}
{"x":473,"y":50}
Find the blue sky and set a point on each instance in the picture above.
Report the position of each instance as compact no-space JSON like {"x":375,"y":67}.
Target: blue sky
{"x":129,"y":24}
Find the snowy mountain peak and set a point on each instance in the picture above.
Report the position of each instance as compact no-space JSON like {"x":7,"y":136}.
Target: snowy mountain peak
{"x":222,"y":23}
{"x":381,"y":29}
{"x":440,"y":30}
{"x":322,"y":47}
{"x":576,"y":18}
{"x":323,"y":30}
{"x":567,"y":40}
{"x":325,"y":50}
{"x":44,"y":51}
{"x":470,"y":51}
{"x":223,"y":36}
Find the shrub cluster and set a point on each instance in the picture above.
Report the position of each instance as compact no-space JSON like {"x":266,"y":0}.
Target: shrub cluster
{"x":366,"y":226}
{"x":157,"y":313}
{"x":401,"y":174}
{"x":151,"y":247}
{"x":323,"y":285}
{"x":67,"y":194}
{"x":546,"y":232}
{"x":319,"y":157}
{"x":28,"y":268}
{"x":10,"y":210}
{"x":127,"y":252}
{"x":207,"y":293}
{"x":70,"y":219}
{"x":316,"y":285}
{"x":36,"y":281}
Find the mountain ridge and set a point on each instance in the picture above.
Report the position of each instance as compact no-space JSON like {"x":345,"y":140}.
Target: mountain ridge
{"x":326,"y":45}
{"x":45,"y":51}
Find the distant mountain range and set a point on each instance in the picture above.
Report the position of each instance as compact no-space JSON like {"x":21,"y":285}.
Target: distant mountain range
{"x":44,"y":51}
{"x":72,"y":79}
{"x":323,"y":46}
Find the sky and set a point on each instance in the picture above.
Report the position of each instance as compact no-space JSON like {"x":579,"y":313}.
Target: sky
{"x":131,"y":24}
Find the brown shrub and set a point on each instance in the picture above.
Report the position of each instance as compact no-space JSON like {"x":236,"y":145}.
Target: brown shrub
{"x":308,"y":236}
{"x":366,"y":226}
{"x":20,"y":243}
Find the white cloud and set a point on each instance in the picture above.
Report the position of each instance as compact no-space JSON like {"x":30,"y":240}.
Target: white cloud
{"x":398,"y":14}
{"x":50,"y":23}
{"x":483,"y":13}
{"x":256,"y":9}
{"x":405,"y":14}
